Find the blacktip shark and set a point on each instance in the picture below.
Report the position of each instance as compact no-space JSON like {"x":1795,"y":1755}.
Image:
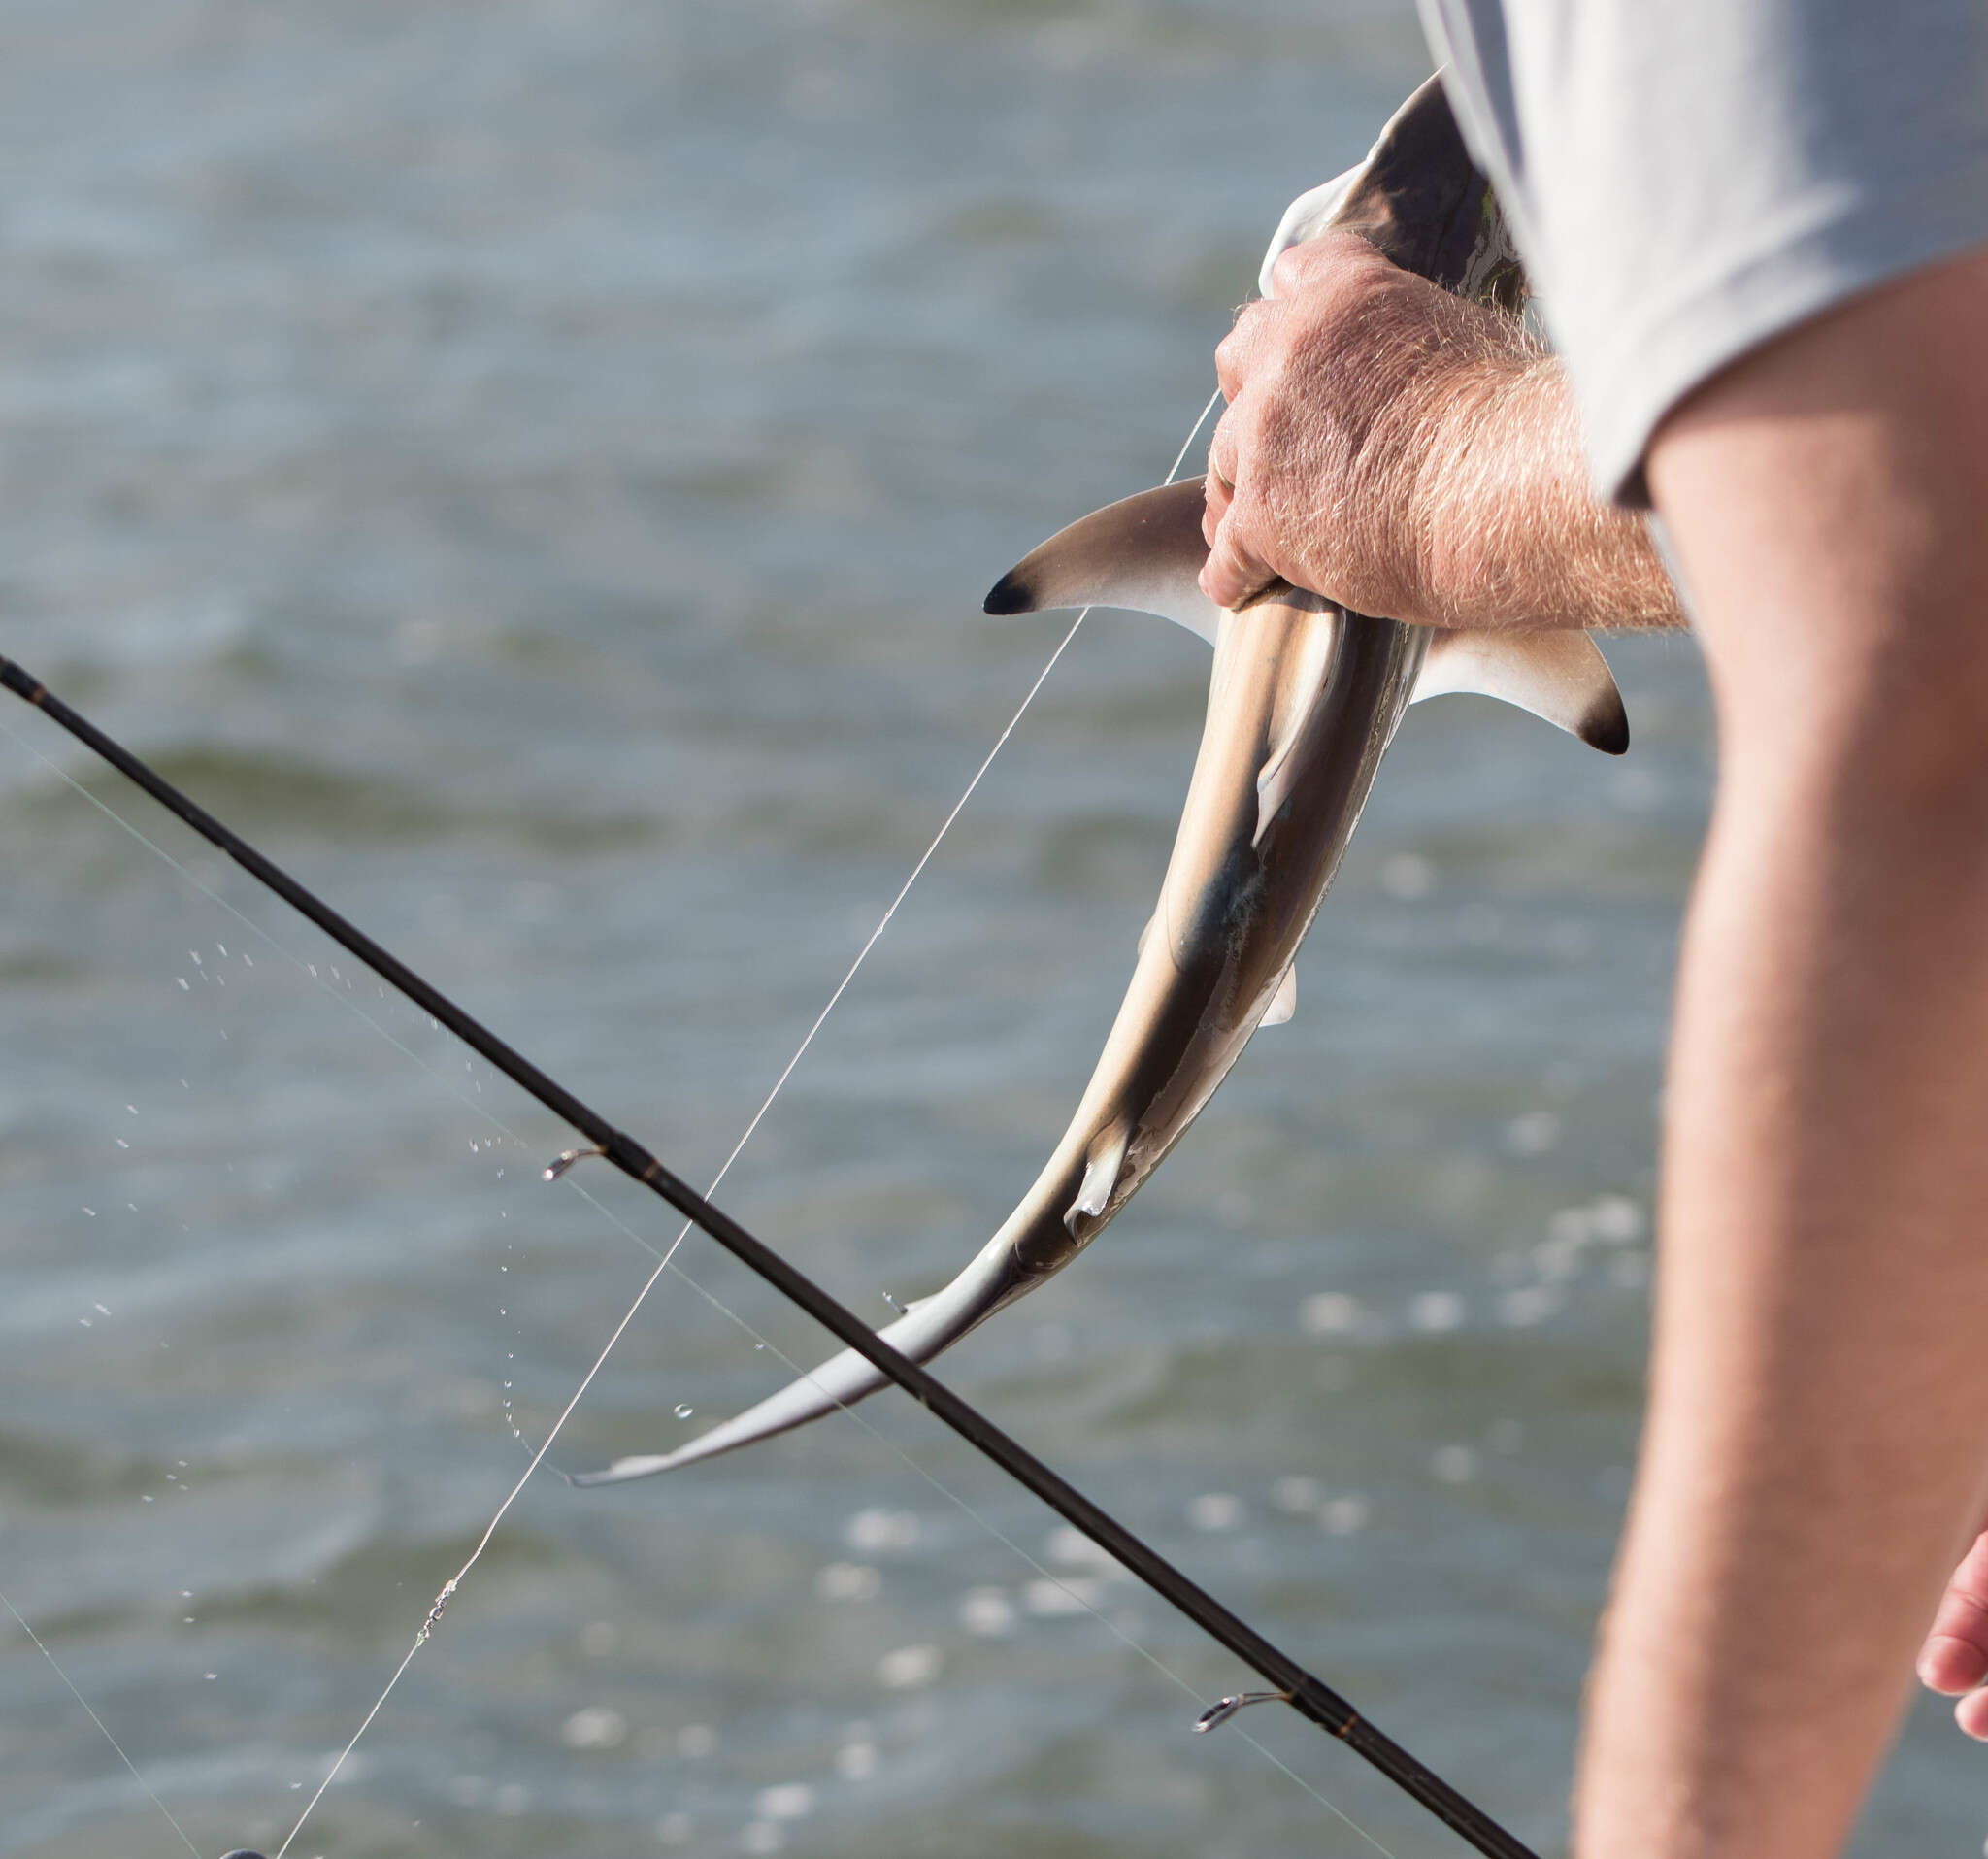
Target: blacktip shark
{"x":1303,"y":703}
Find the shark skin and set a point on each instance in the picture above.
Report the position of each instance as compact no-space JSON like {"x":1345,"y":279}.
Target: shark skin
{"x":1303,"y":701}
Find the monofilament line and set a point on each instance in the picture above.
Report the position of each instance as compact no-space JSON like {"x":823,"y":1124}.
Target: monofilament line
{"x":1317,"y":1701}
{"x":663,"y":1258}
{"x":859,"y":1416}
{"x":1303,"y":1692}
{"x":662,"y":1264}
{"x":55,"y":1666}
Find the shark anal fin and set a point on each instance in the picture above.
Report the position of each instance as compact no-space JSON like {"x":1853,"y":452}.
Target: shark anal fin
{"x":1100,"y":1176}
{"x":1294,"y":709}
{"x":1144,"y":552}
{"x":1559,"y":674}
{"x":1285,"y":1002}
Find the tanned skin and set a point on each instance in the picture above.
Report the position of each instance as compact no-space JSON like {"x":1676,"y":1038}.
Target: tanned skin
{"x":1816,"y":1458}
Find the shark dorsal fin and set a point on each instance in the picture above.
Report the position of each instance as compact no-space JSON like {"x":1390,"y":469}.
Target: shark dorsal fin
{"x":1560,"y":675}
{"x":1144,"y":552}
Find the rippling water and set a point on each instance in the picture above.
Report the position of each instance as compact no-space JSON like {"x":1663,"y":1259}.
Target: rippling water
{"x":535,"y":467}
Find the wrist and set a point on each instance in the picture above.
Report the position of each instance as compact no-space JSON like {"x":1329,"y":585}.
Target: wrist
{"x":1471,"y":489}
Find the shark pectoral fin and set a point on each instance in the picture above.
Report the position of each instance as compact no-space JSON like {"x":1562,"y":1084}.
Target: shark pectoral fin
{"x":932,"y":1324}
{"x":1100,"y":1176}
{"x":1285,"y":1002}
{"x":1144,"y":553}
{"x":1560,"y":675}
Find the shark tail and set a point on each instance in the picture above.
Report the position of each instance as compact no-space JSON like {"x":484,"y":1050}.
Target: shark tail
{"x":927,"y":1328}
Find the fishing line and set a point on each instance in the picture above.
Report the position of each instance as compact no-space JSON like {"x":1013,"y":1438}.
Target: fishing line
{"x":310,"y":972}
{"x":1310,"y":1696}
{"x":100,"y":1724}
{"x":664,"y":1258}
{"x":352,"y":941}
{"x":965,"y":1508}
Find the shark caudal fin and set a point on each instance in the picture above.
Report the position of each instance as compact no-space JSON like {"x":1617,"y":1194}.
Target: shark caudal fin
{"x":929,"y":1326}
{"x":1144,"y":553}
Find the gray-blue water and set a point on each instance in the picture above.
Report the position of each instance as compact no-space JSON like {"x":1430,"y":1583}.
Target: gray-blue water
{"x":535,"y":468}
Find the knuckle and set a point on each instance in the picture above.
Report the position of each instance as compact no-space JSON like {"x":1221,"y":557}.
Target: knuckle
{"x":1293,"y":269}
{"x":1340,"y":269}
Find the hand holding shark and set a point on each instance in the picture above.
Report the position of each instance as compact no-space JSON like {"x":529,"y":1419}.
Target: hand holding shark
{"x":1305,"y":698}
{"x":1354,"y":395}
{"x":1410,"y":451}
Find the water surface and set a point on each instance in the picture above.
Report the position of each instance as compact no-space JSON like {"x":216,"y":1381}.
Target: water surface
{"x":535,"y":468}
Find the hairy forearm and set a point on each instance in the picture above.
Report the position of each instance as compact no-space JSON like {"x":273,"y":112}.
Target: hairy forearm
{"x":1818,"y":1426}
{"x":1412,"y":457}
{"x":1506,"y":524}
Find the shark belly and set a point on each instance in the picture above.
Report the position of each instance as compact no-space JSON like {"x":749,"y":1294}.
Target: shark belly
{"x":1303,"y":701}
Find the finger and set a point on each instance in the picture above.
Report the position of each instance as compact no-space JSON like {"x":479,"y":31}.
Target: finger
{"x":1232,"y":573}
{"x":1971,"y":1715}
{"x":1955,"y":1656}
{"x":1225,"y":460}
{"x":1237,"y":351}
{"x":1218,"y":486}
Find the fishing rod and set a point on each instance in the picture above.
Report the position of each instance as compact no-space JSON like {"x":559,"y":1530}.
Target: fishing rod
{"x":1308,"y":1695}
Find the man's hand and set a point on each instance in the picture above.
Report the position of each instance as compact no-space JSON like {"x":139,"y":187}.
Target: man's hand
{"x":1954,"y":1659}
{"x":1412,"y":457}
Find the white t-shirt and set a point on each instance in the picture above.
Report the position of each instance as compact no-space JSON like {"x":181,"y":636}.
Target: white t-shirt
{"x":1688,"y":178}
